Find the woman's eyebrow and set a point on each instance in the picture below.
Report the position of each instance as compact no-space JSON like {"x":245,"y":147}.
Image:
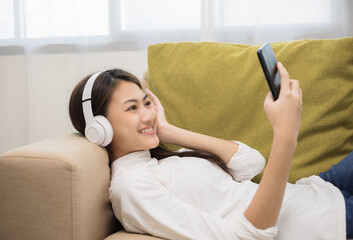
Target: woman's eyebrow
{"x":135,"y":100}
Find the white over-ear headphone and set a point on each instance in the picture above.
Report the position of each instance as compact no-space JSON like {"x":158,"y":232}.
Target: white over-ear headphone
{"x":98,"y":129}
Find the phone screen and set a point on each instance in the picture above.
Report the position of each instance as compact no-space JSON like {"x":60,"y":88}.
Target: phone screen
{"x":269,"y":66}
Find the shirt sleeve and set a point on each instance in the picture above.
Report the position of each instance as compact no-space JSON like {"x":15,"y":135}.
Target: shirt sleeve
{"x":246,"y":163}
{"x":144,"y":205}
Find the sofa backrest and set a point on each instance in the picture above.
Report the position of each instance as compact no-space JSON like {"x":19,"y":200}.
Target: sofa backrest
{"x":219,"y":89}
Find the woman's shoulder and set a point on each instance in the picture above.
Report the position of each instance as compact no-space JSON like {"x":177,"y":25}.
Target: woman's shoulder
{"x":134,"y":178}
{"x":130,"y":176}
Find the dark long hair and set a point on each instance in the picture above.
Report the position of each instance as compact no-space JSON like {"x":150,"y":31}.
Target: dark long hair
{"x":102,"y":90}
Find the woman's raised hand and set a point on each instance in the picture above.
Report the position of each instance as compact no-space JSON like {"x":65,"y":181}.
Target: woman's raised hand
{"x":162,"y":124}
{"x":284,"y":113}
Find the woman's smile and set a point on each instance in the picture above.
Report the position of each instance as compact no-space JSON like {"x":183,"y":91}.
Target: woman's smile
{"x":147,"y":131}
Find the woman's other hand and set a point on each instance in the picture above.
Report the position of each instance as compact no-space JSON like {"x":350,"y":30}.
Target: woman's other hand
{"x":169,"y":133}
{"x":284,"y":114}
{"x":162,"y":124}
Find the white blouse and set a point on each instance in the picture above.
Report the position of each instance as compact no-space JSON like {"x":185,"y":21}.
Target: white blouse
{"x":192,"y":198}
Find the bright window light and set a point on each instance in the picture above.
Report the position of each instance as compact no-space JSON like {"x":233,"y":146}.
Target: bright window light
{"x":26,"y":19}
{"x":63,"y":18}
{"x":160,"y":14}
{"x":7,"y":20}
{"x":260,"y":12}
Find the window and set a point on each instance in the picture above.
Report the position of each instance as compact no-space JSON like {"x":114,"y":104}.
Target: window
{"x":160,"y":14}
{"x":63,"y":18}
{"x":137,"y":23}
{"x":260,"y":12}
{"x":7,"y":20}
{"x":28,"y":19}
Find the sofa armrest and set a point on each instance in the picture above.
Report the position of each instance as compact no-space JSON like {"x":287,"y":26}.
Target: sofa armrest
{"x":56,"y":189}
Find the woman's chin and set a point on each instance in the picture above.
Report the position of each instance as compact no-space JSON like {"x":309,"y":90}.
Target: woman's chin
{"x":152,"y":143}
{"x":156,"y":143}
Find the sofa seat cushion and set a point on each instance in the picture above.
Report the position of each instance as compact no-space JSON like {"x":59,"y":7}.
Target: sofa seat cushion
{"x":123,"y":235}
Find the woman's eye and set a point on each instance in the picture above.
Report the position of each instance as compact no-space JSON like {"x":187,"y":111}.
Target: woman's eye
{"x":132,"y":108}
{"x":148,"y":103}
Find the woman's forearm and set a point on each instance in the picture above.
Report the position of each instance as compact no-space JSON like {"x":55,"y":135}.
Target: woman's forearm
{"x":284,"y":115}
{"x":222,"y":148}
{"x":265,"y":206}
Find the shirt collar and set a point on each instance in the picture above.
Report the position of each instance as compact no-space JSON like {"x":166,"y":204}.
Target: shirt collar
{"x":131,"y":160}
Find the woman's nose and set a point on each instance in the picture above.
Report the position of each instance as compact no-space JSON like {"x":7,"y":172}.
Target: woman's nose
{"x":147,"y":115}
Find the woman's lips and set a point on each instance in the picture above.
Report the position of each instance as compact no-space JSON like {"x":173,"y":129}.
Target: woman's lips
{"x":147,"y":131}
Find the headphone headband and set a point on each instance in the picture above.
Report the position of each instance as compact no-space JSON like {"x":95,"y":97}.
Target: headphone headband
{"x":86,"y":99}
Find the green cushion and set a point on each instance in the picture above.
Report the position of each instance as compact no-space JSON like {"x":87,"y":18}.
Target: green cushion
{"x":219,"y":89}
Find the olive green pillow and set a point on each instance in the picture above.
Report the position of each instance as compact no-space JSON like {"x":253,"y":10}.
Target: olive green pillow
{"x":219,"y":89}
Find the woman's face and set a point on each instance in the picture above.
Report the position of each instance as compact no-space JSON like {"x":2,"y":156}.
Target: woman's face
{"x":133,"y":118}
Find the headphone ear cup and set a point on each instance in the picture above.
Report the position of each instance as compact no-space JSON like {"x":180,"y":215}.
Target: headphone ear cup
{"x":106,"y":131}
{"x":94,"y":132}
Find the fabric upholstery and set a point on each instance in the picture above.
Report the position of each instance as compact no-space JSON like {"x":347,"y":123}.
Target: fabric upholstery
{"x":219,"y":89}
{"x":56,"y":189}
{"x":123,"y":235}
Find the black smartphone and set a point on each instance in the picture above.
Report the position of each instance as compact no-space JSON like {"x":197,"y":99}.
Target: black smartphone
{"x":269,"y":66}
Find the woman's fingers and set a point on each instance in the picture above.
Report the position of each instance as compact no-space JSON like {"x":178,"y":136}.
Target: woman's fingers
{"x":285,"y":83}
{"x":288,"y":84}
{"x":295,"y":86}
{"x":157,"y":104}
{"x":150,"y":94}
{"x":154,"y":98}
{"x":301,"y":93}
{"x":269,"y":98}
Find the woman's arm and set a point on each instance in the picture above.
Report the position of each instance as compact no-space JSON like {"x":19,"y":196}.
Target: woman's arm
{"x":174,"y":135}
{"x":284,"y":115}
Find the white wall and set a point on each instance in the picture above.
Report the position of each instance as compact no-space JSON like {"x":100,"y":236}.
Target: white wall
{"x":13,"y":102}
{"x":35,"y":90}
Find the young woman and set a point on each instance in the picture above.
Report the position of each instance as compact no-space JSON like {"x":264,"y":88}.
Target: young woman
{"x":207,"y":193}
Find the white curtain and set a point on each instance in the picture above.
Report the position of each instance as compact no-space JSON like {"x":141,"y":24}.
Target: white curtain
{"x":42,"y":25}
{"x":47,"y":46}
